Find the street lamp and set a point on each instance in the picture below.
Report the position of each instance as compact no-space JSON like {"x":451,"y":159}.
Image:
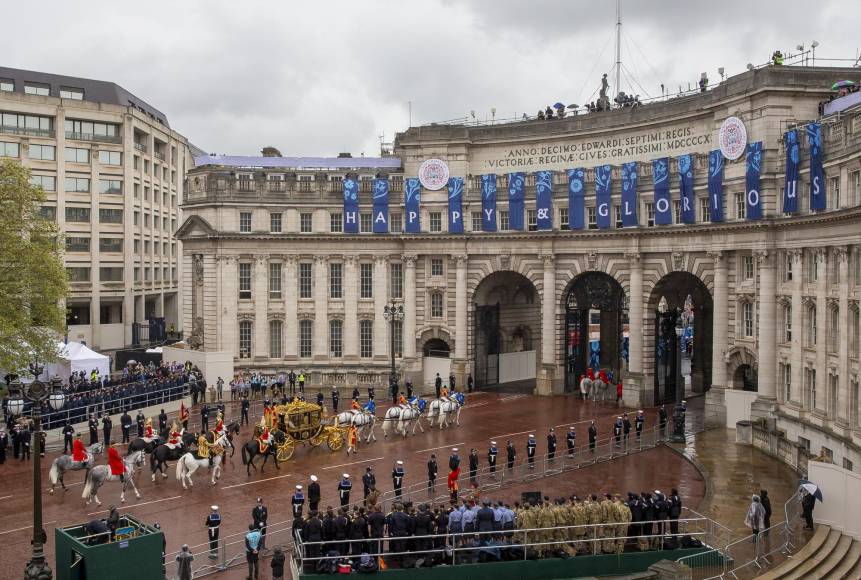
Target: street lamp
{"x":393,"y":313}
{"x":37,"y":393}
{"x":813,"y":45}
{"x":680,"y":332}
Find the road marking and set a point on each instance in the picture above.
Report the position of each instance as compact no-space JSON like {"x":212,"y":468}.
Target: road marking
{"x":474,"y":405}
{"x":511,"y":434}
{"x":575,"y":423}
{"x":25,"y":527}
{"x":511,"y":398}
{"x":441,"y":447}
{"x":137,"y":505}
{"x":61,"y":487}
{"x":353,"y":463}
{"x":5,"y":497}
{"x":256,"y":481}
{"x":536,"y":430}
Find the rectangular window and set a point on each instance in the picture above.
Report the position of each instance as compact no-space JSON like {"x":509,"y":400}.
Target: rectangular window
{"x":788,"y":267}
{"x":305,"y":279}
{"x":787,"y":382}
{"x":834,"y":343}
{"x":787,"y":323}
{"x":398,"y":337}
{"x":42,"y":152}
{"x":27,"y":125}
{"x":244,"y":281}
{"x":48,"y":212}
{"x":275,"y":223}
{"x":7,"y":85}
{"x":705,"y":210}
{"x":110,"y":216}
{"x":436,"y":305}
{"x":396,"y":223}
{"x":245,"y":329}
{"x":46,"y":182}
{"x":747,"y":319}
{"x":504,"y":223}
{"x":78,"y":214}
{"x":366,"y":338}
{"x":476,"y":221}
{"x":72,"y":93}
{"x":111,"y":274}
{"x":305,"y":221}
{"x":136,"y":218}
{"x":77,"y":244}
{"x":111,"y":245}
{"x":740,"y":206}
{"x":275,"y":280}
{"x":111,"y":186}
{"x":110,"y":158}
{"x":365,"y":223}
{"x":41,"y":89}
{"x":531,"y":220}
{"x":437,"y":267}
{"x":366,"y":280}
{"x":336,"y":286}
{"x":396,"y":280}
{"x":78,"y":274}
{"x":677,"y":211}
{"x":77,"y":185}
{"x":650,"y":214}
{"x":811,"y":326}
{"x":747,"y":271}
{"x":435,"y":219}
{"x":275,"y":332}
{"x":834,"y":192}
{"x":245,"y":222}
{"x":77,"y":155}
{"x":591,"y":218}
{"x":306,"y":328}
{"x":617,"y":216}
{"x":855,"y":180}
{"x":92,"y":131}
{"x":336,"y":222}
{"x":336,"y":338}
{"x":9,"y":149}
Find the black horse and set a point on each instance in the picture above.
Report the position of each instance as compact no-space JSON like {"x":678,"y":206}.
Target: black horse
{"x":138,"y":444}
{"x":162,"y":454}
{"x":252,"y":449}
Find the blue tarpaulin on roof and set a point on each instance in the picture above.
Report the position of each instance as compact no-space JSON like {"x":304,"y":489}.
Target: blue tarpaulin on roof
{"x":300,"y":162}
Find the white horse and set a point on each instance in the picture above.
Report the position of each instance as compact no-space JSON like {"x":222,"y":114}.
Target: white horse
{"x":401,"y":418}
{"x":99,"y":474}
{"x":64,"y":463}
{"x":361,"y":419}
{"x":444,"y":408}
{"x":188,"y":464}
{"x":600,"y":389}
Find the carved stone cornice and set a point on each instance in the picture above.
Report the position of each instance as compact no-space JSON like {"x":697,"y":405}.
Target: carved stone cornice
{"x":321,"y":260}
{"x":461,"y":259}
{"x":842,"y":253}
{"x":306,"y":315}
{"x":679,"y":259}
{"x":764,"y":258}
{"x":718,"y":257}
{"x":592,"y":261}
{"x":409,"y":260}
{"x":245,"y":315}
{"x":634,"y":258}
{"x":808,"y":301}
{"x":381,"y":261}
{"x":797,"y":255}
{"x":503,"y":261}
{"x":275,"y":316}
{"x":261,"y":259}
{"x":548,"y":260}
{"x":784,"y":300}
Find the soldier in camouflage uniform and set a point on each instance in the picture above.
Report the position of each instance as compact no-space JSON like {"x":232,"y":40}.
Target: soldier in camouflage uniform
{"x":547,"y":519}
{"x":608,"y":531}
{"x":581,"y":518}
{"x":623,"y":517}
{"x":564,"y":519}
{"x":595,"y":518}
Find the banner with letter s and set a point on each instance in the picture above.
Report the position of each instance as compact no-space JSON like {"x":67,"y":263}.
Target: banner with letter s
{"x":488,"y":202}
{"x":629,"y":194}
{"x":753,"y":199}
{"x":381,"y":206}
{"x":412,"y":205}
{"x":576,"y":201}
{"x":544,"y":199}
{"x":663,"y":208}
{"x":602,"y":196}
{"x":817,"y":174}
{"x":455,"y":205}
{"x":790,"y":185}
{"x":716,"y":185}
{"x":351,"y":206}
{"x":688,"y":212}
{"x":516,"y":195}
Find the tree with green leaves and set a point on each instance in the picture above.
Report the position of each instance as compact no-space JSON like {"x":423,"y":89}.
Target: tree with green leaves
{"x":33,"y":282}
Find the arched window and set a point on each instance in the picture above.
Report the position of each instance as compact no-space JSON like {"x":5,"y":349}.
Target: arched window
{"x":245,"y":339}
{"x":306,"y":328}
{"x":336,"y":338}
{"x":436,"y":305}
{"x":276,"y":328}
{"x":366,"y":338}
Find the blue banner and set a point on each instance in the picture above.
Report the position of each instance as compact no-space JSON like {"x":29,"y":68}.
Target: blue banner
{"x":455,"y":205}
{"x":544,"y":199}
{"x":412,"y":205}
{"x":817,"y":175}
{"x":381,"y":206}
{"x":688,"y":211}
{"x":629,"y":195}
{"x":602,"y":196}
{"x":351,"y":206}
{"x":663,"y":208}
{"x":488,"y":203}
{"x":716,"y":185}
{"x":751,"y":181}
{"x":516,"y":195}
{"x":576,"y":201}
{"x":790,"y":185}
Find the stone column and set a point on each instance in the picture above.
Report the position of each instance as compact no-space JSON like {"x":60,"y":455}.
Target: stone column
{"x":796,"y":377}
{"x":261,"y":307}
{"x":842,"y":407}
{"x":227,"y":317}
{"x":821,"y":257}
{"x":382,"y":341}
{"x":351,"y":309}
{"x":320,"y":340}
{"x":766,"y":335}
{"x":544,"y":382}
{"x":460,"y":310}
{"x":633,"y":391}
{"x":409,"y":306}
{"x":291,"y":309}
{"x":715,"y":396}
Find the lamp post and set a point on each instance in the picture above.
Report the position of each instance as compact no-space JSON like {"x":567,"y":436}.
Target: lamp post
{"x":37,"y":393}
{"x":680,"y":376}
{"x":393,"y":313}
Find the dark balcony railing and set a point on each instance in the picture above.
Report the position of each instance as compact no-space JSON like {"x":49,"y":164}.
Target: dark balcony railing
{"x":336,"y":187}
{"x":140,"y":147}
{"x":158,"y":154}
{"x":33,"y":132}
{"x":92,"y":137}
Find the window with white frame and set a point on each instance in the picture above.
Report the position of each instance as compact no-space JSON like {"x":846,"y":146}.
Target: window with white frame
{"x":336,"y":222}
{"x":276,"y":330}
{"x":396,"y":223}
{"x":396,"y":280}
{"x":306,"y":329}
{"x":705,"y":210}
{"x":435,"y":221}
{"x":366,"y":338}
{"x":812,"y":267}
{"x":275,"y":223}
{"x":245,"y":339}
{"x":366,"y":223}
{"x":437,"y":267}
{"x":77,"y":155}
{"x":305,"y":279}
{"x":305,"y":222}
{"x":834,"y":192}
{"x":677,"y":211}
{"x":476,"y":221}
{"x":366,"y":280}
{"x":504,"y":221}
{"x":617,"y":216}
{"x":810,"y":375}
{"x":786,"y":378}
{"x":245,"y":222}
{"x":275,"y":280}
{"x":811,"y":326}
{"x":336,"y":286}
{"x":834,"y":330}
{"x":787,"y":323}
{"x":398,"y":334}
{"x":740,"y":206}
{"x":531,"y":220}
{"x":747,"y":268}
{"x":591,"y":218}
{"x":788,"y":267}
{"x":245,"y":281}
{"x":833,"y":394}
{"x":854,"y":328}
{"x":650,"y":214}
{"x":336,"y":338}
{"x":747,"y":319}
{"x":563,"y":218}
{"x":436,"y":305}
{"x":855,"y":180}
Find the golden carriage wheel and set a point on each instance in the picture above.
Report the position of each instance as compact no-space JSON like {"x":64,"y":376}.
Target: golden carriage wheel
{"x":319,"y":438}
{"x":286,"y":449}
{"x":335,"y":439}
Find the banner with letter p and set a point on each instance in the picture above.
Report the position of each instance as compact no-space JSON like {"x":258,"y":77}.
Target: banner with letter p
{"x":351,"y":206}
{"x":412,"y":205}
{"x":455,"y":205}
{"x":488,"y":203}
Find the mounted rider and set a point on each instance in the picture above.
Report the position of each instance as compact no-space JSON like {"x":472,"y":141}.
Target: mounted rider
{"x":264,"y":440}
{"x":175,"y":438}
{"x":219,"y":427}
{"x":149,"y":432}
{"x":370,"y":407}
{"x":354,"y":405}
{"x":79,"y":452}
{"x":203,"y":447}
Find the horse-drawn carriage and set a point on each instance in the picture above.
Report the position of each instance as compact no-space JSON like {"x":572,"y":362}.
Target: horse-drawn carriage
{"x":303,"y":422}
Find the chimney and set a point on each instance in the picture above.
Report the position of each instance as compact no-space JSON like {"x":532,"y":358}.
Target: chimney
{"x":345,"y":156}
{"x":270,"y":152}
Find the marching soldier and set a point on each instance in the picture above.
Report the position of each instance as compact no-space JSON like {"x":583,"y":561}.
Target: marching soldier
{"x":213,"y":522}
{"x":511,"y":455}
{"x":638,"y":424}
{"x":313,"y":494}
{"x":593,"y":436}
{"x":93,"y":426}
{"x":551,"y":445}
{"x":68,"y":434}
{"x":617,"y":431}
{"x":398,"y":479}
{"x":626,"y":427}
{"x":433,"y":469}
{"x":344,"y":487}
{"x":140,"y":420}
{"x":571,"y":440}
{"x":298,"y":502}
{"x":491,"y":458}
{"x":530,"y":451}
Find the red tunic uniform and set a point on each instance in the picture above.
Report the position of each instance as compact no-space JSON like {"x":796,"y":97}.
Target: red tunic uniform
{"x":148,"y":432}
{"x":115,"y":462}
{"x":175,"y":438}
{"x":79,"y":453}
{"x":354,"y":405}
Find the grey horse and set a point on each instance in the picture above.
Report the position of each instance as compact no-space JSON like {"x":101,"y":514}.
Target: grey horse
{"x":64,"y":463}
{"x":99,"y":474}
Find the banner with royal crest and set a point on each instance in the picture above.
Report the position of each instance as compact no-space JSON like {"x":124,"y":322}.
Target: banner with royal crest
{"x":576,"y":198}
{"x":688,"y":213}
{"x":488,"y":202}
{"x":790,"y":184}
{"x":660,"y":179}
{"x":544,"y":199}
{"x":455,"y":205}
{"x":753,"y":199}
{"x":817,"y":173}
{"x":412,"y":205}
{"x":602,"y":196}
{"x":516,"y":200}
{"x":351,"y":206}
{"x":381,"y":206}
{"x":716,"y":185}
{"x":629,"y":194}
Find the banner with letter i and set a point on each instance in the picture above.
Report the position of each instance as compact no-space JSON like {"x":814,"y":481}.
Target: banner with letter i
{"x":716,"y":185}
{"x":629,"y":194}
{"x":488,"y":203}
{"x":817,"y":174}
{"x":516,"y":183}
{"x":351,"y":206}
{"x":660,"y":174}
{"x":576,"y":201}
{"x":381,"y":206}
{"x":602,"y":196}
{"x":790,"y":185}
{"x":412,"y":205}
{"x":688,"y":212}
{"x":455,"y":205}
{"x":753,"y":199}
{"x":544,"y":200}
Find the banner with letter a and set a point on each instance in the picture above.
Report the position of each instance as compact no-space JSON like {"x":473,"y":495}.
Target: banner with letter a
{"x":381,"y":206}
{"x":576,"y":201}
{"x":488,"y":203}
{"x":790,"y":185}
{"x":663,"y":208}
{"x":412,"y":205}
{"x":351,"y":206}
{"x":544,"y":199}
{"x":629,"y":194}
{"x":716,"y":185}
{"x":516,"y":195}
{"x":753,"y":199}
{"x":817,"y":175}
{"x":688,"y":213}
{"x":602,"y":196}
{"x":455,"y":205}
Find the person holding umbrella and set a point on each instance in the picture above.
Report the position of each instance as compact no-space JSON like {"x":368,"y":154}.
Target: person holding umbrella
{"x":809,"y":494}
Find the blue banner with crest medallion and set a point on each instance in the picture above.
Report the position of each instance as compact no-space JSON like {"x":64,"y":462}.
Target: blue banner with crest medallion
{"x":381,"y":206}
{"x":576,"y":199}
{"x":790,"y":184}
{"x":817,"y":174}
{"x":516,"y":197}
{"x":688,"y":213}
{"x":455,"y":205}
{"x":629,"y":194}
{"x":602,"y":196}
{"x":412,"y":205}
{"x":753,"y":199}
{"x":544,"y":200}
{"x":351,"y":206}
{"x":488,"y":202}
{"x":716,"y":185}
{"x":660,"y":179}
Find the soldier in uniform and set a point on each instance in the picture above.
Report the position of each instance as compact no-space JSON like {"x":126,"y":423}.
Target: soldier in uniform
{"x":245,"y":406}
{"x":202,"y":446}
{"x":298,"y":502}
{"x":107,"y":425}
{"x":126,"y":425}
{"x":162,"y":421}
{"x":648,"y":508}
{"x":608,"y":516}
{"x":473,"y":467}
{"x":638,"y":425}
{"x":626,"y":428}
{"x":491,"y":458}
{"x":593,"y":436}
{"x":212,"y":523}
{"x":454,"y":472}
{"x":93,"y":426}
{"x":571,"y":440}
{"x":581,"y":519}
{"x":335,"y":398}
{"x":662,"y":420}
{"x":398,"y":479}
{"x":551,"y":445}
{"x":140,"y":420}
{"x":511,"y":455}
{"x":260,"y":515}
{"x":530,"y":451}
{"x":617,"y":432}
{"x":344,"y":487}
{"x":68,"y":434}
{"x":623,"y":518}
{"x":433,"y":469}
{"x":595,"y":518}
{"x":204,"y":417}
{"x":636,"y":510}
{"x":313,"y":494}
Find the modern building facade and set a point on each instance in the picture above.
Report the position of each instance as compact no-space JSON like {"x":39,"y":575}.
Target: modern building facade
{"x":113,"y":171}
{"x":761,"y":313}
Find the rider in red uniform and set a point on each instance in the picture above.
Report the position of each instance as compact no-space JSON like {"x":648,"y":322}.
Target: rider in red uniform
{"x":149,"y":432}
{"x":79,"y":452}
{"x":175,"y":436}
{"x":115,"y":461}
{"x":219,"y":427}
{"x":355,"y":405}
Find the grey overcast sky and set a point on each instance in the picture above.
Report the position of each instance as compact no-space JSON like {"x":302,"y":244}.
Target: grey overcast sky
{"x":324,"y":76}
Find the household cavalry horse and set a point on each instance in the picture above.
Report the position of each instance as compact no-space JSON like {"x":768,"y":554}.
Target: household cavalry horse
{"x":167,"y":452}
{"x":361,"y":419}
{"x":100,"y":474}
{"x":214,"y":453}
{"x":400,"y":417}
{"x":256,"y":447}
{"x":66,"y":463}
{"x":444,"y":408}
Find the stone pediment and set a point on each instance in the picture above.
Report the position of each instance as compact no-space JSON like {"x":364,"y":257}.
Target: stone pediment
{"x":194,"y":227}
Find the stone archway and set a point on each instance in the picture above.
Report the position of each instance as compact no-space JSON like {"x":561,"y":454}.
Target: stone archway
{"x":742,"y":368}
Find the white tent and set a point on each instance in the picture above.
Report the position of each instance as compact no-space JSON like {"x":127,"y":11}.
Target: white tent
{"x":74,"y":357}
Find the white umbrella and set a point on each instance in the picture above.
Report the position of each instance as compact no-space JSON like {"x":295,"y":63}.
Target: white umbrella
{"x":811,"y":488}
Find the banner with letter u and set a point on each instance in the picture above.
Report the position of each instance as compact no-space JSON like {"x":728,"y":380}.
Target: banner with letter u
{"x":790,"y":185}
{"x":381,"y":206}
{"x":544,"y":199}
{"x":753,"y":199}
{"x":688,"y":213}
{"x":660,"y":174}
{"x":455,"y":205}
{"x":716,"y":185}
{"x":516,"y":196}
{"x":629,"y":194}
{"x":576,"y":201}
{"x":488,"y":202}
{"x":351,"y":206}
{"x":817,"y":174}
{"x":602,"y":196}
{"x":412,"y":205}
